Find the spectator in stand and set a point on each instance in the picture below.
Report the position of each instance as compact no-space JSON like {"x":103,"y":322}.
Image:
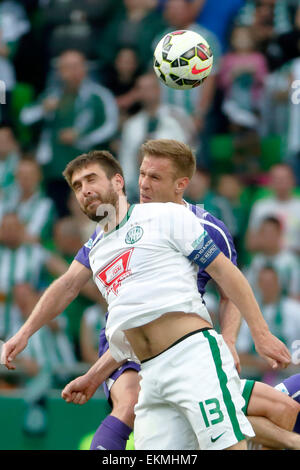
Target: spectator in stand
{"x":241,"y":78}
{"x":226,"y":10}
{"x":77,"y":115}
{"x":135,"y":25}
{"x":154,"y":121}
{"x":120,"y":79}
{"x":283,"y":204}
{"x":199,"y":191}
{"x":282,"y":316}
{"x":267,"y":19}
{"x":20,"y":263}
{"x":9,"y":158}
{"x":286,"y":46}
{"x":74,"y":24}
{"x":51,"y":356}
{"x":230,"y":187}
{"x":35,"y":211}
{"x":93,"y":320}
{"x":13,"y":25}
{"x":283,"y":261}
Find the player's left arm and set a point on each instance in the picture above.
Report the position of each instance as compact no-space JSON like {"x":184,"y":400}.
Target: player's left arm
{"x":230,"y":322}
{"x":205,"y":253}
{"x":229,"y":315}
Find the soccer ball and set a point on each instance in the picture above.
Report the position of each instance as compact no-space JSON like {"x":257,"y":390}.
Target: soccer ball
{"x":182,"y":59}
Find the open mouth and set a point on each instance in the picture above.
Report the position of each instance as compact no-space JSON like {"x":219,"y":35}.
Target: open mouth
{"x":145,"y":198}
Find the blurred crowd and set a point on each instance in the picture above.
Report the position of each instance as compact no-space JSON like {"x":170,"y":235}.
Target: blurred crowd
{"x":78,"y":76}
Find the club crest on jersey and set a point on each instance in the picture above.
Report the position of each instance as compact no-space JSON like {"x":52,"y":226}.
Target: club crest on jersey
{"x":134,"y":234}
{"x":115,"y":272}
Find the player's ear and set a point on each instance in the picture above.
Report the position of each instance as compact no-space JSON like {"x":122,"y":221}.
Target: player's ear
{"x":118,"y":181}
{"x":181,"y":184}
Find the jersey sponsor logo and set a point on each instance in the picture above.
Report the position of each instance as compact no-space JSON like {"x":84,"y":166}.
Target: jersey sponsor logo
{"x":197,"y":242}
{"x":89,"y":243}
{"x":115,"y":272}
{"x":134,"y":235}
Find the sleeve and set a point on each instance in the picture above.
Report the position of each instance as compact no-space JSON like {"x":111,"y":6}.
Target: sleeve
{"x":84,"y":252}
{"x":222,"y":237}
{"x":190,"y":238}
{"x":83,"y":256}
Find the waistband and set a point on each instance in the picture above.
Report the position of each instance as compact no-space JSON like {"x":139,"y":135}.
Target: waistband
{"x":176,"y":342}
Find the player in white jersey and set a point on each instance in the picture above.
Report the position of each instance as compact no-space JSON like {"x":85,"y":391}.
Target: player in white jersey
{"x":267,"y":345}
{"x":156,"y":178}
{"x":139,"y":249}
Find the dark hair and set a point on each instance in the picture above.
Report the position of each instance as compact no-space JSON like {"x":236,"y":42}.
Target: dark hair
{"x":272,"y":220}
{"x":103,"y":158}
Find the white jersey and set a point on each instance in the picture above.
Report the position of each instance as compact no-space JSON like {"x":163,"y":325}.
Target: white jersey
{"x":146,"y":267}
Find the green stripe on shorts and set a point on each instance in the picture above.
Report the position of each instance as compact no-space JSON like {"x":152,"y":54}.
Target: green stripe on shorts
{"x":249,"y":384}
{"x":223,"y":384}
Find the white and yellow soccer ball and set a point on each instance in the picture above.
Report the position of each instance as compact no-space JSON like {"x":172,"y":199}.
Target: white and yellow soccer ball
{"x":182,"y":59}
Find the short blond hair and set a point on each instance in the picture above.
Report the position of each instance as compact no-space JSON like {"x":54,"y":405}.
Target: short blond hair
{"x":180,"y":154}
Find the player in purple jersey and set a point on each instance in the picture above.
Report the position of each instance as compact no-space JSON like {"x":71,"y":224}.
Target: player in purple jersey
{"x":122,"y":393}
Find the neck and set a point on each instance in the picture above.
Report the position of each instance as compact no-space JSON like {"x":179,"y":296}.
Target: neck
{"x":271,"y":299}
{"x":284,"y":196}
{"x":26,"y":195}
{"x":112,"y":220}
{"x":152,"y":108}
{"x":271,"y":251}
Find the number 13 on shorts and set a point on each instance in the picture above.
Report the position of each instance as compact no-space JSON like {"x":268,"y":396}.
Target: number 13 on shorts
{"x":210,"y":408}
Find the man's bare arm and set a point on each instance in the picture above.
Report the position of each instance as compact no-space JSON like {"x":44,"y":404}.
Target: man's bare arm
{"x":237,"y":289}
{"x":58,"y":267}
{"x":80,"y":390}
{"x":53,"y":302}
{"x":230,"y":322}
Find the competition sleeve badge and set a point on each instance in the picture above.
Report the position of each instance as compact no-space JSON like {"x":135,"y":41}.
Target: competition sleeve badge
{"x":115,"y":272}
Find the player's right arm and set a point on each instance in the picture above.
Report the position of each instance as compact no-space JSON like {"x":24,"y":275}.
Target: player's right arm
{"x":53,"y":302}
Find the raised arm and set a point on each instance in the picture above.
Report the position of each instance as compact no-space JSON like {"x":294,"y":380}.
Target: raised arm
{"x":230,"y":322}
{"x":237,"y":288}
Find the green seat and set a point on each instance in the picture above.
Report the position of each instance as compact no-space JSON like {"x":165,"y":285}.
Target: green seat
{"x":271,"y":149}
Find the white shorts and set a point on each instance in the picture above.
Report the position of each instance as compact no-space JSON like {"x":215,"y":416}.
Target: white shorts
{"x":190,"y":397}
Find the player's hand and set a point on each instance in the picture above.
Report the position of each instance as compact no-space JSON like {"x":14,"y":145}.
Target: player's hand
{"x":80,"y":390}
{"x":273,"y":351}
{"x":68,"y":136}
{"x":12,"y":348}
{"x":50,"y":104}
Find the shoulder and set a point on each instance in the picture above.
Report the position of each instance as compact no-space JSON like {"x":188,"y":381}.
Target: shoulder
{"x":209,"y":221}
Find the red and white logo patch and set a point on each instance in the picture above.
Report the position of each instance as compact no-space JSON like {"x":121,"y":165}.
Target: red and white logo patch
{"x":113,"y":274}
